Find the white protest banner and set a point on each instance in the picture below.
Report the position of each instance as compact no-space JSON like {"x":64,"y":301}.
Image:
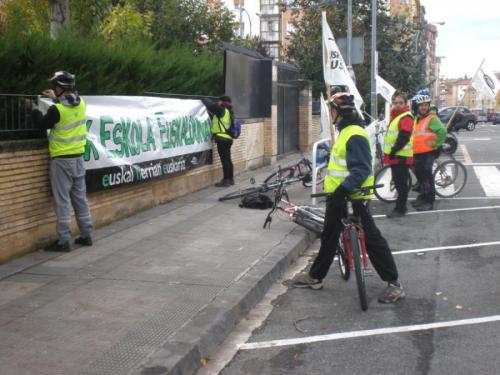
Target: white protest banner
{"x":335,"y":70}
{"x":384,"y":88}
{"x":486,"y":83}
{"x":136,"y":138}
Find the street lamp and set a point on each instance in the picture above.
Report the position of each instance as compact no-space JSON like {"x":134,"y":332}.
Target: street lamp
{"x":241,"y":21}
{"x":417,"y":35}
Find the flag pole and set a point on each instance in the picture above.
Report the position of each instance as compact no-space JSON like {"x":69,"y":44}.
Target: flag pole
{"x":467,"y":90}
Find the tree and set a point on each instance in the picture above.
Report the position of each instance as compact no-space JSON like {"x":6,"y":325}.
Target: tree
{"x":59,"y":18}
{"x":124,"y":22}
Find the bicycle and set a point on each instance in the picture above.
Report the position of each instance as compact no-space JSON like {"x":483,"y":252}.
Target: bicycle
{"x":309,"y":217}
{"x":353,"y":239}
{"x":450,"y":177}
{"x":303,"y":168}
{"x":301,"y":171}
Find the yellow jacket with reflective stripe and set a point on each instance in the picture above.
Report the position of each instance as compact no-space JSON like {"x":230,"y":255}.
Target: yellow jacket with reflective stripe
{"x":392,"y":135}
{"x":220,"y":126}
{"x":69,"y":135}
{"x":337,"y":166}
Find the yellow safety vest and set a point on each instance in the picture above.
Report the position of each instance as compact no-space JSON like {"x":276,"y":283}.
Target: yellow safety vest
{"x":220,"y":126}
{"x":337,"y":166}
{"x":69,"y":135}
{"x":392,"y":135}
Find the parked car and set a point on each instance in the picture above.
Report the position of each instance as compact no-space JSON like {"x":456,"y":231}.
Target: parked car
{"x":463,"y":119}
{"x":480,"y":115}
{"x":496,"y":119}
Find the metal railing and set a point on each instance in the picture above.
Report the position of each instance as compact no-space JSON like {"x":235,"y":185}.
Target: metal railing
{"x":15,"y":117}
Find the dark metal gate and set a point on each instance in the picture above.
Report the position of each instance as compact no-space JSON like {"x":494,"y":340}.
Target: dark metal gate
{"x":287,"y":90}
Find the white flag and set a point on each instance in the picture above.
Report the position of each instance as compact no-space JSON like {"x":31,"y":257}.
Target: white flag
{"x":325,"y":120}
{"x":384,"y":88}
{"x":486,"y":83}
{"x":461,"y":90}
{"x":334,"y":68}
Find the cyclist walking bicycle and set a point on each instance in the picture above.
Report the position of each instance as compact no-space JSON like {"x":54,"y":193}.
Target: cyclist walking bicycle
{"x":349,"y":169}
{"x":429,"y":133}
{"x":398,"y":151}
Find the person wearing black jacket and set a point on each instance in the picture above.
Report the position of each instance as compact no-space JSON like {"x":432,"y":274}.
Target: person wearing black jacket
{"x":221,"y":113}
{"x":349,"y":169}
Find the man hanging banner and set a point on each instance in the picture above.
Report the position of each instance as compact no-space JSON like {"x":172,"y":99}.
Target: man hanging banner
{"x":384,"y":88}
{"x":334,"y":68}
{"x":134,"y":139}
{"x":486,"y":83}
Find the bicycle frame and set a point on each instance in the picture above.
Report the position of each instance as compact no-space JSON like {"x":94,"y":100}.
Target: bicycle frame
{"x":349,"y":222}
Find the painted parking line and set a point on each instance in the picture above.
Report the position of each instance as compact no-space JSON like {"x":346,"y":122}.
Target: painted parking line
{"x":441,"y":211}
{"x":369,"y":332}
{"x":466,"y":154}
{"x":489,"y":178}
{"x":451,"y":247}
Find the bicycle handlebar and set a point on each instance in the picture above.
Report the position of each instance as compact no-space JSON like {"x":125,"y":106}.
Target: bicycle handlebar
{"x":363,"y":191}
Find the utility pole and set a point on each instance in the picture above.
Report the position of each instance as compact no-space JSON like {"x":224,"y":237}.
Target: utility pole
{"x":349,"y":31}
{"x":373,"y":60}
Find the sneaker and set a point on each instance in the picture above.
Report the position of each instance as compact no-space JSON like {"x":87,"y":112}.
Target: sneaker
{"x":84,"y":241}
{"x":395,"y":213}
{"x":59,"y":247}
{"x":303,"y":280}
{"x":425,"y":207}
{"x":392,"y":293}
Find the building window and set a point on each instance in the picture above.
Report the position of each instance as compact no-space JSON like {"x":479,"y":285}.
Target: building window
{"x":290,"y":28}
{"x":269,"y":7}
{"x":269,"y":29}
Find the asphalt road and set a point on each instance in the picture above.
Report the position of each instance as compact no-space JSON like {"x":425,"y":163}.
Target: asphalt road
{"x":448,"y":324}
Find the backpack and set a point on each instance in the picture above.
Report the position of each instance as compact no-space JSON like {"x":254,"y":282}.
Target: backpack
{"x":257,"y":201}
{"x":235,"y":127}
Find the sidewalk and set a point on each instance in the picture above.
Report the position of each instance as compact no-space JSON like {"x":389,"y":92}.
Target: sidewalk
{"x":156,"y":294}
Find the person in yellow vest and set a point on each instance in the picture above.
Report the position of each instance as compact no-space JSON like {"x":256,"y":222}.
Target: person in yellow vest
{"x":67,"y":136}
{"x":349,"y":169}
{"x":221,"y":113}
{"x":398,"y":151}
{"x":429,"y":133}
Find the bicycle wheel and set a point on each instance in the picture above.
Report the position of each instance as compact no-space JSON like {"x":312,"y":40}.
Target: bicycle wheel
{"x":287,"y":172}
{"x":387,"y":193}
{"x":450,"y":178}
{"x":320,"y":178}
{"x":358,"y":267}
{"x":241,"y":193}
{"x":345,"y":271}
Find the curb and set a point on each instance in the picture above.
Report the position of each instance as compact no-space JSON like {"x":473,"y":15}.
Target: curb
{"x":197,"y":340}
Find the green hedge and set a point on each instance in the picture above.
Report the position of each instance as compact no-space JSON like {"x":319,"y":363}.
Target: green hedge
{"x":102,"y":69}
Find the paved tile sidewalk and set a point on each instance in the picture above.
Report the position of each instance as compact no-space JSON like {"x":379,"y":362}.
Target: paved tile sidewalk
{"x":155,"y":294}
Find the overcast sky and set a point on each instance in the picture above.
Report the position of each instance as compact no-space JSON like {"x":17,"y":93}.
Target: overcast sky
{"x":471,"y":33}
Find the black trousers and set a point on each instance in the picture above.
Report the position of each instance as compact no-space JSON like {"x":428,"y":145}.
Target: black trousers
{"x":224,"y":150}
{"x":423,"y":171}
{"x":400,"y":173}
{"x":376,"y":246}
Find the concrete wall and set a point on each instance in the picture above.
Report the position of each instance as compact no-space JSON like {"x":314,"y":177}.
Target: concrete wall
{"x":27,"y":217}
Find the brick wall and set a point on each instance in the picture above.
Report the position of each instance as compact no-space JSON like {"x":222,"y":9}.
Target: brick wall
{"x":27,"y":218}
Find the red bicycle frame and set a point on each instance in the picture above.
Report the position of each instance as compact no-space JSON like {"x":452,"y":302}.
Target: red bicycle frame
{"x":347,"y":241}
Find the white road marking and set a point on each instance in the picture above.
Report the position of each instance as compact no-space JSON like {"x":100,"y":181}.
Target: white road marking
{"x":476,"y":139}
{"x":487,"y":163}
{"x":369,"y":332}
{"x":489,"y":177}
{"x":453,"y":247}
{"x":466,"y":154}
{"x":440,"y":211}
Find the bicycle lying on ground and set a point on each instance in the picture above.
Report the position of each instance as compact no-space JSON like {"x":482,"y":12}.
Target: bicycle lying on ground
{"x":351,"y":249}
{"x":300,"y":171}
{"x":450,"y":177}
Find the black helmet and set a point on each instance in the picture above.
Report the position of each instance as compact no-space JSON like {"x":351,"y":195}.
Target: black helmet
{"x":63,"y":79}
{"x":343,"y":103}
